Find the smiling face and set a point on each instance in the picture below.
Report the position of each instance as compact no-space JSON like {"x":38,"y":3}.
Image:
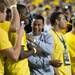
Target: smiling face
{"x":37,"y":26}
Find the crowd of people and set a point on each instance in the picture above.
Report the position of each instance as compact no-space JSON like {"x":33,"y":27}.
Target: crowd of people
{"x":37,"y":39}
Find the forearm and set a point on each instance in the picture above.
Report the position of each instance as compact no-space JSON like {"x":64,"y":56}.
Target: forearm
{"x":16,"y":52}
{"x":26,"y":54}
{"x":17,"y":46}
{"x":15,"y":23}
{"x":46,"y":43}
{"x":42,"y":46}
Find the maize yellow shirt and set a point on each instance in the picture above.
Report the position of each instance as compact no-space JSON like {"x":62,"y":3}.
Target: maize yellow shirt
{"x":58,"y":54}
{"x":4,"y":44}
{"x":21,"y":67}
{"x":5,"y":25}
{"x":70,"y":38}
{"x":64,"y":31}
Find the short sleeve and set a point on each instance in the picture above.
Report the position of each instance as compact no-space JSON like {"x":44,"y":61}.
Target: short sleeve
{"x":4,"y":40}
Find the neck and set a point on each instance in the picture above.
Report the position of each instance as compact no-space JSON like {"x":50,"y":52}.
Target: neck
{"x":57,"y":28}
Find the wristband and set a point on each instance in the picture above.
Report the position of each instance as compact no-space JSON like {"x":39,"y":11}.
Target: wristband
{"x":34,"y":40}
{"x":13,"y":6}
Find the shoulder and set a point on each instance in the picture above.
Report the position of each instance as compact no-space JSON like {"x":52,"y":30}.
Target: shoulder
{"x":47,"y":35}
{"x":30,"y":33}
{"x":8,"y":22}
{"x":68,"y":35}
{"x":4,"y":40}
{"x":2,"y":32}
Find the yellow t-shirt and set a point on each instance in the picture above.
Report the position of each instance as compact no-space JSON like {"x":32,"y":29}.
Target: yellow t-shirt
{"x":64,"y":31}
{"x":58,"y":54}
{"x":5,"y":25}
{"x":21,"y":67}
{"x":4,"y":44}
{"x":70,"y":38}
{"x":12,"y":37}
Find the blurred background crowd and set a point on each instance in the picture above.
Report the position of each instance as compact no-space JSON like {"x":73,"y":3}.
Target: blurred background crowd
{"x":37,"y":37}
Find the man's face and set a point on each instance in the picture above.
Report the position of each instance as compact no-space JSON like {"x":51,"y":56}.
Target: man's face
{"x":37,"y":26}
{"x":2,"y":16}
{"x":62,"y":22}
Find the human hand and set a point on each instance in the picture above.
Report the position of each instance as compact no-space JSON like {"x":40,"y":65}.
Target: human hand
{"x":30,"y":38}
{"x":55,"y":63}
{"x":10,"y":2}
{"x":20,"y":32}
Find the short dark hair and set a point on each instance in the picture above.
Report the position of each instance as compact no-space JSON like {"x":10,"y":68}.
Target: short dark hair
{"x":22,"y":9}
{"x":53,"y":17}
{"x":2,"y":5}
{"x":39,"y":17}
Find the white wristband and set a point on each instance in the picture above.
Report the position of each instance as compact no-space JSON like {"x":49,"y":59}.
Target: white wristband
{"x":34,"y":40}
{"x":13,"y":6}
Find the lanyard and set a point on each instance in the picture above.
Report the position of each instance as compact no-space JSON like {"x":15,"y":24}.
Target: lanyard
{"x":65,"y":54}
{"x":62,"y":40}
